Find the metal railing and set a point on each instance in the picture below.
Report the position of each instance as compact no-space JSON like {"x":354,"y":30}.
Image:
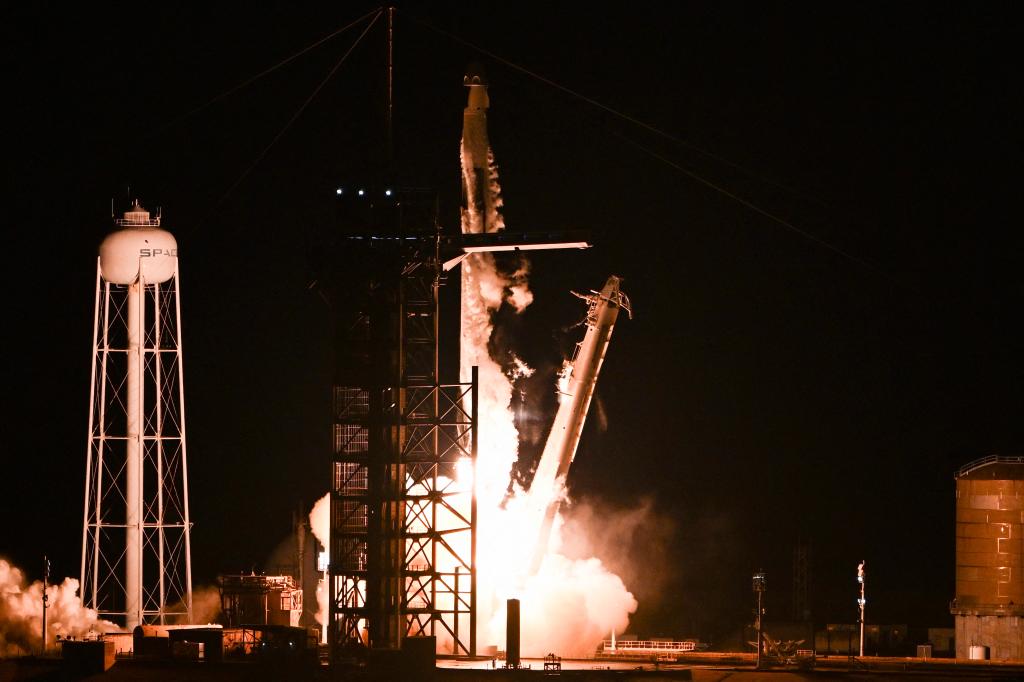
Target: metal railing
{"x":985,"y":461}
{"x":638,"y":646}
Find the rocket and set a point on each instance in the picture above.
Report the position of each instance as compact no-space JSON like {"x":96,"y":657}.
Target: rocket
{"x":576,"y":388}
{"x":480,"y":200}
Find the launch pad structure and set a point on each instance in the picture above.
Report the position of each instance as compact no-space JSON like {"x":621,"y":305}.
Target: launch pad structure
{"x":403,"y":505}
{"x":403,"y":534}
{"x":403,"y":516}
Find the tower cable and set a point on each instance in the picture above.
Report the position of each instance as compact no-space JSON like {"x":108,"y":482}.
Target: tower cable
{"x":292,"y":120}
{"x":657,"y":131}
{"x":625,"y":117}
{"x":249,"y":81}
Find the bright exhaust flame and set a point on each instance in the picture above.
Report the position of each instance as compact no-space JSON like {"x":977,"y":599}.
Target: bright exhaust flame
{"x":21,"y":613}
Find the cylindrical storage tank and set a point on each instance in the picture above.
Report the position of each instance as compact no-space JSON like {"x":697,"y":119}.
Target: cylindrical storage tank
{"x":979,"y":653}
{"x":989,"y":535}
{"x":140,"y":246}
{"x":989,"y":602}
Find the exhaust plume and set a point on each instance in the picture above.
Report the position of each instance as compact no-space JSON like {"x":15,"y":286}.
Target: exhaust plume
{"x":205,"y":604}
{"x":320,"y":525}
{"x":567,"y":605}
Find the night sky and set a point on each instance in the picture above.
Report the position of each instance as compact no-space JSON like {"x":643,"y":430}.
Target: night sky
{"x":820,"y":380}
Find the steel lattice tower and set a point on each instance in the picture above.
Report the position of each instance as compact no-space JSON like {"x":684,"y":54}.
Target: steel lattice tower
{"x":403,"y":509}
{"x":136,"y":553}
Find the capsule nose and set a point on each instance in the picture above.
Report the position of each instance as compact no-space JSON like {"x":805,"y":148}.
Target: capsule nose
{"x":474,"y":75}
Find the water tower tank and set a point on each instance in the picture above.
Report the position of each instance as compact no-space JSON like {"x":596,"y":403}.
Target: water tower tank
{"x":139,"y":244}
{"x":989,"y":603}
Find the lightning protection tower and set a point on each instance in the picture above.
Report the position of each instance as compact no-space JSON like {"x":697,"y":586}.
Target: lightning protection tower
{"x":136,"y":556}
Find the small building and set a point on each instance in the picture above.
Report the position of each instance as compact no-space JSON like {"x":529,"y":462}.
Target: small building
{"x":188,"y":642}
{"x":942,"y":641}
{"x":86,"y":657}
{"x":250,"y":599}
{"x":879,"y":639}
{"x":272,"y":642}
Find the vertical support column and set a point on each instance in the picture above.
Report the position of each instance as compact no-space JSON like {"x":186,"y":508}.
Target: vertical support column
{"x":512,"y":659}
{"x":860,"y":603}
{"x":100,"y":441}
{"x":760,"y":585}
{"x":158,"y":447}
{"x":186,"y":518}
{"x":86,"y":525}
{"x":475,"y":378}
{"x":133,"y":463}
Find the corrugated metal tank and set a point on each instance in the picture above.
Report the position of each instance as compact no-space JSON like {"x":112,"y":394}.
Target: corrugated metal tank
{"x":989,"y":606}
{"x":989,"y":536}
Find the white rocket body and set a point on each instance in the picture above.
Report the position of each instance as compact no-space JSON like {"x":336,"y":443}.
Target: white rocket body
{"x":480,"y":201}
{"x":576,"y":389}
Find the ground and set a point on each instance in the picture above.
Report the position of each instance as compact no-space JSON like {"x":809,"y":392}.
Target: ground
{"x":835,"y":668}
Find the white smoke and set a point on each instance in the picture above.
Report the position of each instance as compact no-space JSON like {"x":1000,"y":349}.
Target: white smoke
{"x":206,"y":605}
{"x":520,"y":370}
{"x":519,"y":294}
{"x":494,"y":201}
{"x":320,"y":524}
{"x":570,"y":606}
{"x":21,"y":613}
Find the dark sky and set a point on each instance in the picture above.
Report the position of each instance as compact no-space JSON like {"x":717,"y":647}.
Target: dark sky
{"x":770,"y":387}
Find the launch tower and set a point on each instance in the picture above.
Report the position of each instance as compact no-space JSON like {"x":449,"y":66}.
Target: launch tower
{"x":403,"y":517}
{"x":403,"y":513}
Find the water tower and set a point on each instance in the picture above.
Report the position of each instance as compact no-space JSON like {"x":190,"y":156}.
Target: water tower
{"x":136,"y":555}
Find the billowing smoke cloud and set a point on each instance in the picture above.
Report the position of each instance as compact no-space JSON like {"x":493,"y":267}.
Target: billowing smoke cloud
{"x":570,"y":605}
{"x":320,"y":525}
{"x":205,"y":607}
{"x":21,"y":613}
{"x":494,"y":202}
{"x":519,"y":294}
{"x":634,"y":542}
{"x":205,"y":604}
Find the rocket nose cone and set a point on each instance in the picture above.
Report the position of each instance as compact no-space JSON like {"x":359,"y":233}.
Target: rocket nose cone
{"x":475,"y":75}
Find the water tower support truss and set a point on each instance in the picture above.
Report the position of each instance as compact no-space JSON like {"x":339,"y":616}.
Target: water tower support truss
{"x":136,"y":556}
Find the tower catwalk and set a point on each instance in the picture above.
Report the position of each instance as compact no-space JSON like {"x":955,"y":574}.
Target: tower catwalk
{"x":136,"y":554}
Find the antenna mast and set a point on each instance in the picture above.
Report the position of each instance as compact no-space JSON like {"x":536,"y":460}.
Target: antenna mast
{"x":389,"y":102}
